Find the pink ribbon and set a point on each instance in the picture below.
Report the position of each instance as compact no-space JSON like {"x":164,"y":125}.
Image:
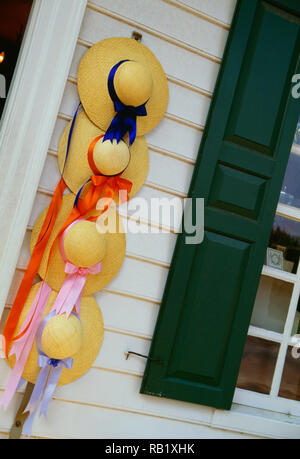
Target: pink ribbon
{"x":71,"y":290}
{"x":21,"y":347}
{"x":69,"y":296}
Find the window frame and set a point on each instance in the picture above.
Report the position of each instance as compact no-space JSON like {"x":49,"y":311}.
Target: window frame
{"x":272,"y":401}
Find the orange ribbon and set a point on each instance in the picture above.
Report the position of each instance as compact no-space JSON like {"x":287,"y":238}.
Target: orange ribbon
{"x":102,"y":186}
{"x":91,"y":155}
{"x":33,"y":265}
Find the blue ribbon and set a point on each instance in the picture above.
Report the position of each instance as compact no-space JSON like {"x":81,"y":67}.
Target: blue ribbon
{"x":79,"y":193}
{"x":125,"y":119}
{"x":70,"y":137}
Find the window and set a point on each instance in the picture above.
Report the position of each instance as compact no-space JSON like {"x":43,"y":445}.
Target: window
{"x":269,"y":365}
{"x":13,"y":19}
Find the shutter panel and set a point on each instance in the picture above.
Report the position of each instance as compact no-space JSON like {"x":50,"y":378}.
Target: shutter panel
{"x":210,"y":292}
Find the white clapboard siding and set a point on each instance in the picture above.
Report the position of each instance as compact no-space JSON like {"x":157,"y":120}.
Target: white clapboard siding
{"x":73,"y":420}
{"x":105,"y":403}
{"x":195,"y":71}
{"x":157,"y":17}
{"x":215,"y":9}
{"x":127,"y":314}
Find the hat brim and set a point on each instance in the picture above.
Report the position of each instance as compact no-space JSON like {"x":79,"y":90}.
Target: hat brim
{"x":55,"y":274}
{"x":93,"y":330}
{"x":77,"y":170}
{"x":93,"y":73}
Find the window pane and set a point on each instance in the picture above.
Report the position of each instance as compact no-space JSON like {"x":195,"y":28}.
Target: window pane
{"x":296,"y":326}
{"x":290,"y":383}
{"x":290,"y":192}
{"x":13,"y":19}
{"x":284,"y":245}
{"x":297,"y":134}
{"x":271,"y":304}
{"x":258,"y":365}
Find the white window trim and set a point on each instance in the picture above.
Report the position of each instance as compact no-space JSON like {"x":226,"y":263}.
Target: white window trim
{"x":272,"y":401}
{"x":29,"y":117}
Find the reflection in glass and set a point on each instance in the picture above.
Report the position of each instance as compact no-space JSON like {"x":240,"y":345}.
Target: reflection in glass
{"x":285,"y":241}
{"x":258,"y":365}
{"x":297,"y":134}
{"x":296,"y":325}
{"x":290,"y":191}
{"x":290,"y":383}
{"x":271,"y":304}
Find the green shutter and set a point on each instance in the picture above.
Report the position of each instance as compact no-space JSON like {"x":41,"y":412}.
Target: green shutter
{"x":210,"y":292}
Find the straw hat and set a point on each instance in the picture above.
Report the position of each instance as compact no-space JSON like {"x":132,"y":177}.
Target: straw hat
{"x":141,"y":79}
{"x":63,"y":337}
{"x":83,"y":245}
{"x":77,"y":170}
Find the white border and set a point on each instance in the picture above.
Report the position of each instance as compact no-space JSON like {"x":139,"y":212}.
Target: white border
{"x":25,"y":133}
{"x":29,"y":117}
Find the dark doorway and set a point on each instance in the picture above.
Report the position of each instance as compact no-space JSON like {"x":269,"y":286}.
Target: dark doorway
{"x":13,"y":19}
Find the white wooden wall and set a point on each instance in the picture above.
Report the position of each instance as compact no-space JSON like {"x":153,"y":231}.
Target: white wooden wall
{"x":188,"y":37}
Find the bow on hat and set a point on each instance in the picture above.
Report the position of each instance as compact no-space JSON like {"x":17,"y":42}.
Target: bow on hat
{"x":125,"y":119}
{"x":50,"y":371}
{"x":71,"y":290}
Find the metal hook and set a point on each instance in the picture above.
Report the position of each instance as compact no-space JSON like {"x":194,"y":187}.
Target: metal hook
{"x":136,"y":36}
{"x":128,"y":353}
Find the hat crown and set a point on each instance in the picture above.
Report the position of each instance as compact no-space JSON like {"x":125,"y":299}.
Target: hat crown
{"x":133,"y":83}
{"x":111,"y":158}
{"x":84,"y":245}
{"x":62,"y":337}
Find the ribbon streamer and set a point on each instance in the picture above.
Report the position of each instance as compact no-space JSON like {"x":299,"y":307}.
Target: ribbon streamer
{"x":71,"y":290}
{"x":72,"y":287}
{"x":22,"y":347}
{"x":125,"y":119}
{"x":47,"y":379}
{"x":44,"y":387}
{"x":37,"y":253}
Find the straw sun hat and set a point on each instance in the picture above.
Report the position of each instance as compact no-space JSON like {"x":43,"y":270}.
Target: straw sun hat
{"x":111,"y":161}
{"x":63,"y":338}
{"x":140,"y":79}
{"x":84,"y":246}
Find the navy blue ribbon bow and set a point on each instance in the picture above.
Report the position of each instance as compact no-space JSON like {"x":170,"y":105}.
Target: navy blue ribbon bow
{"x":125,"y":119}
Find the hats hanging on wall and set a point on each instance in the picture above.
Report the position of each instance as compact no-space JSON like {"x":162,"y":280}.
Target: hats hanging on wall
{"x":63,"y":338}
{"x":56,"y":324}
